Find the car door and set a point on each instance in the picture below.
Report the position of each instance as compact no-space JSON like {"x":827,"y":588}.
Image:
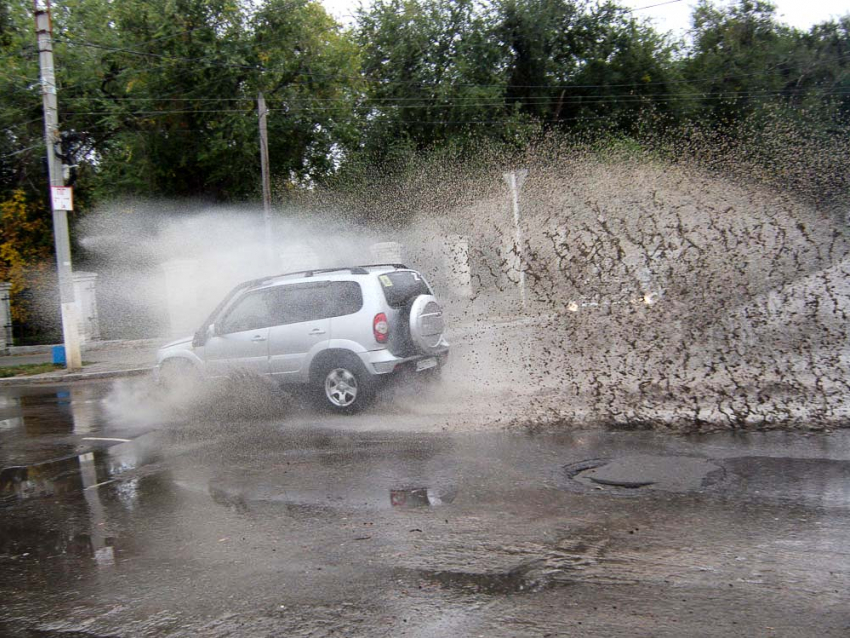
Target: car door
{"x":303,"y":326}
{"x":241,"y":339}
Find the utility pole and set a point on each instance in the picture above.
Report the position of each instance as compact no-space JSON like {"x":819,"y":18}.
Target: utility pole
{"x":514,"y":180}
{"x":264,"y":163}
{"x":60,"y":206}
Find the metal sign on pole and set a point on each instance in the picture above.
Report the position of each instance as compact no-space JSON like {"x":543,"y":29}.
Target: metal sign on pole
{"x":61,"y":201}
{"x":62,"y":197}
{"x":515,"y":180}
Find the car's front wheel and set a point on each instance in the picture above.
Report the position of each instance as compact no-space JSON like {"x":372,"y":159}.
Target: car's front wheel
{"x":343,"y":386}
{"x":179,"y":378}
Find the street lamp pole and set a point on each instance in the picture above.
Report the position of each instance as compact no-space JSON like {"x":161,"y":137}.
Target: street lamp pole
{"x":60,"y":200}
{"x":515,"y":180}
{"x":264,"y":165}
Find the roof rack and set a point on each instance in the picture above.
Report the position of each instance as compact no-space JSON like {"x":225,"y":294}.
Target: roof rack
{"x":355,"y":270}
{"x":400,"y":266}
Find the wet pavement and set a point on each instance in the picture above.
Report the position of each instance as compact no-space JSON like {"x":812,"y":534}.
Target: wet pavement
{"x":120,"y":517}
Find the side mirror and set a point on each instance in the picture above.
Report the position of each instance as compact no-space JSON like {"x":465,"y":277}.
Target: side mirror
{"x":202,"y":335}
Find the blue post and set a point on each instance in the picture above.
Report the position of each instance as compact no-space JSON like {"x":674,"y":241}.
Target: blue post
{"x":59,"y":355}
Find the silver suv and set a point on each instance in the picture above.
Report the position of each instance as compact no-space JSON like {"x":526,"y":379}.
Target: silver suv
{"x":338,"y":331}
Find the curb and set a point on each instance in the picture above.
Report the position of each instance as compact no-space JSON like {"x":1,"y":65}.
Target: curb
{"x":56,"y":379}
{"x":92,"y":346}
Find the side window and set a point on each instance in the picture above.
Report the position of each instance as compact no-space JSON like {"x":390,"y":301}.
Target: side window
{"x":249,"y":313}
{"x":345,"y":298}
{"x":300,"y":303}
{"x":307,"y":302}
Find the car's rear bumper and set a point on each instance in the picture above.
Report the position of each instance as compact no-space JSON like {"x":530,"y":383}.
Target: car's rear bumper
{"x":385,"y":362}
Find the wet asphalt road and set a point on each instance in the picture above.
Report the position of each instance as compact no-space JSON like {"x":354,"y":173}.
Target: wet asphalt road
{"x":119,"y":517}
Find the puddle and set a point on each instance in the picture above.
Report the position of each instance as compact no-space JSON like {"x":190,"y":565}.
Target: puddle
{"x":29,"y":632}
{"x":229,"y":500}
{"x":11,"y":423}
{"x":68,"y":518}
{"x":820,"y":482}
{"x":28,"y":413}
{"x":243,"y":497}
{"x":814,"y":481}
{"x":420,"y":497}
{"x":73,"y":474}
{"x":644,"y":471}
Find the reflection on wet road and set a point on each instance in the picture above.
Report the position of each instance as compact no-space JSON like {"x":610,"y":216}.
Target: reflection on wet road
{"x":117,"y":518}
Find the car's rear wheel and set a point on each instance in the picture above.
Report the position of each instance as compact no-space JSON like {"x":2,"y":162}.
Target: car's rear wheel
{"x":343,"y":386}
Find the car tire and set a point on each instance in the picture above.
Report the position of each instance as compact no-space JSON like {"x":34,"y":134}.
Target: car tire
{"x":177,"y":377}
{"x":343,"y":385}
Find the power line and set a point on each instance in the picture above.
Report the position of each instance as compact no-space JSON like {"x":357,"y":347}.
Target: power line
{"x":17,"y":76}
{"x":161,"y":56}
{"x":365,"y":77}
{"x":175,"y":35}
{"x":473,"y":102}
{"x":365,"y":101}
{"x":652,"y":6}
{"x":501,"y":103}
{"x":23,"y":150}
{"x":503,"y":86}
{"x":430,"y":122}
{"x":19,"y":124}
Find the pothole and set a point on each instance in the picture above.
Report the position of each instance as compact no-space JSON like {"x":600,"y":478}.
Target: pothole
{"x":524,"y":578}
{"x":640,"y":472}
{"x":571,"y":559}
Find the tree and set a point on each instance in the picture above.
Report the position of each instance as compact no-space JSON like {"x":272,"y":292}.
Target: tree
{"x":822,"y":64}
{"x":443,"y":71}
{"x":159,"y":97}
{"x":311,"y":80}
{"x":24,"y":247}
{"x":433,"y":69}
{"x":21,"y":127}
{"x":741,"y":57}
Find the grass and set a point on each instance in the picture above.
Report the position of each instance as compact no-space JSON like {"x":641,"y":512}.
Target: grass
{"x":27,"y":369}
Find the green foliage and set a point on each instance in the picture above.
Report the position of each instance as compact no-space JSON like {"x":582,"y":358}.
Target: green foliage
{"x":460,"y":72}
{"x":170,"y":105}
{"x":24,"y":246}
{"x":158,"y":97}
{"x":433,"y":71}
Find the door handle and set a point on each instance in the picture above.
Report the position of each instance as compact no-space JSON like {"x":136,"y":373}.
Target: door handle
{"x":316,"y":331}
{"x":258,"y":338}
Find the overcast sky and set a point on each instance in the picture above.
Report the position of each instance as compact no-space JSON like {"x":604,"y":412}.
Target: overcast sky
{"x":676,"y":16}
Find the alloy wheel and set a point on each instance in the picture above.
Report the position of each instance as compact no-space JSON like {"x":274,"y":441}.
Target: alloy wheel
{"x":341,"y":387}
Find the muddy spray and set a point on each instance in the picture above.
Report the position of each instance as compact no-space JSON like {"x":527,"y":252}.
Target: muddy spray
{"x":635,"y":290}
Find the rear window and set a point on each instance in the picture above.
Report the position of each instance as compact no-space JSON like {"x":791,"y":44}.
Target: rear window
{"x":321,"y":300}
{"x":402,"y":286}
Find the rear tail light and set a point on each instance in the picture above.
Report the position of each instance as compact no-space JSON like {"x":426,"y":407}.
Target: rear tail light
{"x":381,"y":328}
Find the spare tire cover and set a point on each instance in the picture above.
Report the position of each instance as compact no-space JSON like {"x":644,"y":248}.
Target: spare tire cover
{"x":426,"y":324}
